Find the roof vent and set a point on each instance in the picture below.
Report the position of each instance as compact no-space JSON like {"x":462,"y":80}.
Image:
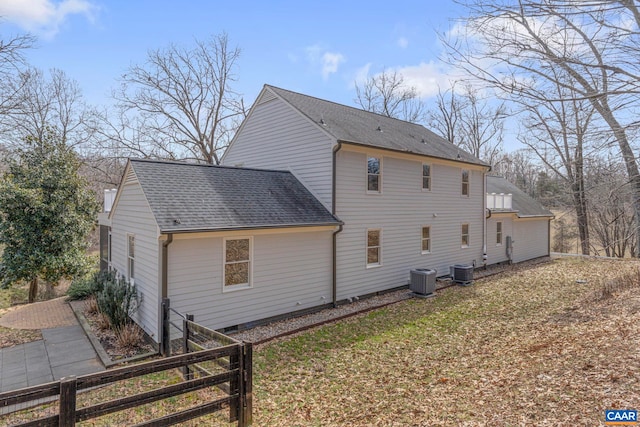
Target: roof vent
{"x":379,"y":129}
{"x":458,"y":156}
{"x":177,"y":221}
{"x":322,"y":122}
{"x":423,"y":141}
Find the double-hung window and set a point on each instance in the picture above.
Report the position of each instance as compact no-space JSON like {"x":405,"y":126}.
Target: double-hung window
{"x":131,"y":257}
{"x":465,"y":183}
{"x":374,"y":246}
{"x":426,"y":176}
{"x":374,"y":174}
{"x":426,"y":240}
{"x":237,"y":263}
{"x":499,"y":233}
{"x":465,"y":236}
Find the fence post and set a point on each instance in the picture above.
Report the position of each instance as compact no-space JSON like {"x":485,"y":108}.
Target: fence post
{"x":165,"y":346}
{"x":247,"y":378}
{"x":234,"y":385}
{"x":67,"y":413}
{"x":186,"y":372}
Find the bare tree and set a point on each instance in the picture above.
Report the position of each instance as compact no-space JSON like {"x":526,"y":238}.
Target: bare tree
{"x":180,"y":103}
{"x":519,"y":169}
{"x":611,"y":222}
{"x":11,"y":62}
{"x":470,"y":121}
{"x":388,"y":94}
{"x":557,"y":131}
{"x":44,"y":102}
{"x":517,"y":44}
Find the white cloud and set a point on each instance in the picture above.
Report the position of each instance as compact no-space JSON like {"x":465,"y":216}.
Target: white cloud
{"x":362,"y":74}
{"x":44,"y":17}
{"x":403,"y":42}
{"x":329,"y":62}
{"x":427,"y":77}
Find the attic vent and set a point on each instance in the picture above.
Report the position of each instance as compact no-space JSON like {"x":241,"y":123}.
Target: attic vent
{"x":266,"y":97}
{"x":131,"y":177}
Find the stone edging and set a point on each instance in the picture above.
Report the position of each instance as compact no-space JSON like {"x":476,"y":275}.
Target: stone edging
{"x":95,"y":342}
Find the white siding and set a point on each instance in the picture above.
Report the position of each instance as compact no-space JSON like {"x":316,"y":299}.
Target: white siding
{"x":275,"y":136}
{"x":531,"y":239}
{"x":498,"y":253}
{"x":400,"y":211}
{"x":132,"y":215}
{"x":291,"y":271}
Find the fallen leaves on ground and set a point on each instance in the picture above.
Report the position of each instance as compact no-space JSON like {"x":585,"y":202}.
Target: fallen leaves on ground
{"x":532,"y":347}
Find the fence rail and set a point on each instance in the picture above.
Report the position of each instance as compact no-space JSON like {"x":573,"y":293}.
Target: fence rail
{"x":232,"y":374}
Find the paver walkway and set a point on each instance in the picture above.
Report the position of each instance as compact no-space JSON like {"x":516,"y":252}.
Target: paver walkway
{"x":64,"y":350}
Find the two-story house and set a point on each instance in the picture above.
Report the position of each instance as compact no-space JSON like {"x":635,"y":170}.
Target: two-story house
{"x":316,"y":203}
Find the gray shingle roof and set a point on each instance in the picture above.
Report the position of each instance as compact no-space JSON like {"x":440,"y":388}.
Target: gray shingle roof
{"x":525,"y":205}
{"x":192,"y":197}
{"x":353,"y":125}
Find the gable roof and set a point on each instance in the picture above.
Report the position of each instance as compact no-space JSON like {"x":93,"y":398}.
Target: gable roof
{"x":522,"y":203}
{"x":356,"y":126}
{"x":187,"y":197}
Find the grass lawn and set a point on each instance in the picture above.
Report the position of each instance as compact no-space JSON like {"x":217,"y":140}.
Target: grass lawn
{"x":532,"y":347}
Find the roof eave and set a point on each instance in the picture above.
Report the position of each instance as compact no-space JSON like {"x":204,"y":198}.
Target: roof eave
{"x":361,"y":144}
{"x":251,"y":227}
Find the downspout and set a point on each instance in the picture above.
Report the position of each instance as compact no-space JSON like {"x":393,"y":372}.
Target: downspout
{"x":165,"y":265}
{"x":334,"y":287}
{"x":484,"y":221}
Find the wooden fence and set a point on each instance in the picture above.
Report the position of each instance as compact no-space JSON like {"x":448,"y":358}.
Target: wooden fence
{"x":233,"y":375}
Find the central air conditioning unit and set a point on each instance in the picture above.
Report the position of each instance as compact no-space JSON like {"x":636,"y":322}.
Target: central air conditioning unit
{"x":462,"y":274}
{"x":423,"y":281}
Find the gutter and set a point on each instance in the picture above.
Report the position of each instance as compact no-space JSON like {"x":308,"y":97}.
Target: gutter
{"x":334,"y":284}
{"x":170,"y":231}
{"x":165,"y":265}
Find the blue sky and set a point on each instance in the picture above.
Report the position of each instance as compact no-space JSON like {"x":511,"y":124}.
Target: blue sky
{"x":317,"y":48}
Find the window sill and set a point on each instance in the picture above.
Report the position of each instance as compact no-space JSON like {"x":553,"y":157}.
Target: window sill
{"x":233,"y":288}
{"x":464,"y":247}
{"x":376,"y":193}
{"x":374,"y":265}
{"x":425,"y":252}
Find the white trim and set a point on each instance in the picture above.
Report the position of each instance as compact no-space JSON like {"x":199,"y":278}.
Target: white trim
{"x":462,"y":171}
{"x":366,"y":252}
{"x":130,"y":258}
{"x":462,"y":245}
{"x":422,"y":239}
{"x":379,"y":175}
{"x":240,"y":286}
{"x":426,"y":190}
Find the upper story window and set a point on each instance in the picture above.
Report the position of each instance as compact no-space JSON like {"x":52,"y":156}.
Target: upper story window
{"x":374,"y":174}
{"x":499,"y":233}
{"x":131,"y":257}
{"x":465,"y":236}
{"x":426,"y":240}
{"x":374,"y":246}
{"x":426,"y":176}
{"x":237,"y":262}
{"x":465,"y":182}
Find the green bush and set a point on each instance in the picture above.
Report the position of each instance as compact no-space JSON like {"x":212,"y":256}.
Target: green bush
{"x":80,"y":288}
{"x":88,"y":285}
{"x":117,"y":300}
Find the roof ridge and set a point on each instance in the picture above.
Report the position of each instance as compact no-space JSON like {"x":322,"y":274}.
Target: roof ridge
{"x":347,"y":106}
{"x":209,"y":165}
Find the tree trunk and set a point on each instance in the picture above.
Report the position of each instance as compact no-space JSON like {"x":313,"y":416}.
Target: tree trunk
{"x":33,"y":289}
{"x":580,"y":202}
